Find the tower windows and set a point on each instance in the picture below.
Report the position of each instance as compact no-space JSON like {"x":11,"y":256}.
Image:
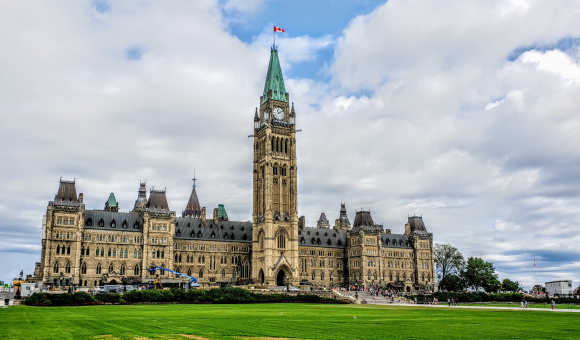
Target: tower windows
{"x":84,"y":268}
{"x":136,"y":270}
{"x":99,"y":269}
{"x":111,"y":268}
{"x":67,"y":268}
{"x":281,"y":239}
{"x":122,"y":270}
{"x":55,"y":268}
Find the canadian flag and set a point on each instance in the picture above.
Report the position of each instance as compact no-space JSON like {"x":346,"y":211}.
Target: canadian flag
{"x":278,"y":29}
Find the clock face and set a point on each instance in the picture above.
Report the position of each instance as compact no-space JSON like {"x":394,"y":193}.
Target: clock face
{"x":278,"y":113}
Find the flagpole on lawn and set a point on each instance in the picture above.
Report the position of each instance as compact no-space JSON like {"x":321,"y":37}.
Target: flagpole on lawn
{"x":536,"y":268}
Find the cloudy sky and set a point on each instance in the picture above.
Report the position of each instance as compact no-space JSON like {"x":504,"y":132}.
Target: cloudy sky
{"x":464,"y":111}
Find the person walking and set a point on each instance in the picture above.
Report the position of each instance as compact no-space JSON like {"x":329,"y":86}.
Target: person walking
{"x":415,"y":300}
{"x":553,"y":304}
{"x":449,"y":302}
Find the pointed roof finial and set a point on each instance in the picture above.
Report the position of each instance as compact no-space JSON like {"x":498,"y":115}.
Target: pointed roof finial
{"x":256,"y":117}
{"x":194,"y":179}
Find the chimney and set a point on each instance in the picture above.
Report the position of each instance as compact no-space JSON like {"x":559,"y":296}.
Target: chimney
{"x":215,"y":215}
{"x":81,"y":197}
{"x":203,"y":215}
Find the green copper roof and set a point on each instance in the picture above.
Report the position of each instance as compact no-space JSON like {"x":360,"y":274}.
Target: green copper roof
{"x":274,"y":80}
{"x":222,"y":214}
{"x":112,"y":202}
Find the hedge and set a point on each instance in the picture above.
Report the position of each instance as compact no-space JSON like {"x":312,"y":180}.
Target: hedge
{"x":218,"y":295}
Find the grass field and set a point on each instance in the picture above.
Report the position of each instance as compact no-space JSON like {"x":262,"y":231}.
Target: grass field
{"x":301,"y":321}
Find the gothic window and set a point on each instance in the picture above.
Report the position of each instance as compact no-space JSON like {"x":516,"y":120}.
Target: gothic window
{"x":226,"y":236}
{"x":213,"y":234}
{"x":135,"y":253}
{"x":136,"y":270}
{"x":272,"y":140}
{"x":111,"y":268}
{"x":89,"y":222}
{"x":322,"y":276}
{"x":390,"y":276}
{"x":99,"y":269}
{"x":126,"y":252}
{"x":275,"y":170}
{"x":139,"y":254}
{"x":281,"y":238}
{"x":203,"y":259}
{"x":286,"y":146}
{"x":55,"y":268}
{"x":82,"y":251}
{"x":302,"y":240}
{"x":122,"y":270}
{"x":178,"y":233}
{"x":199,"y":234}
{"x":58,"y":249}
{"x":84,"y":268}
{"x":101,"y":223}
{"x":232,"y":237}
{"x":115,"y":252}
{"x":175,"y":258}
{"x":153,"y":254}
{"x":313,"y":276}
{"x":113,"y":224}
{"x":67,"y":268}
{"x":179,"y":258}
{"x":136,"y":225}
{"x":87,"y":252}
{"x":189,"y":272}
{"x":223,"y":274}
{"x":102,"y":251}
{"x":423,"y":277}
{"x":163,"y":254}
{"x":68,"y":250}
{"x":162,"y":271}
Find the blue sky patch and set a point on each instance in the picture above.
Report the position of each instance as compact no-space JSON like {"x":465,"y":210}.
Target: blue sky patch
{"x":564,"y":44}
{"x":102,"y":6}
{"x":134,"y":53}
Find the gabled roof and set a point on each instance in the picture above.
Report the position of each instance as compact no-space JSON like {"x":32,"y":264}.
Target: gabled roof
{"x":67,"y":194}
{"x":363,"y":219}
{"x":111,"y":220}
{"x":274,"y":79}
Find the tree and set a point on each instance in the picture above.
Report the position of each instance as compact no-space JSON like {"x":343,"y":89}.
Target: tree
{"x":448,"y":260}
{"x":511,"y":286}
{"x":480,"y":274}
{"x":452,"y":283}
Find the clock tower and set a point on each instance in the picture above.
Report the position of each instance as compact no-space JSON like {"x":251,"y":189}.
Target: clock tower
{"x":275,"y":213}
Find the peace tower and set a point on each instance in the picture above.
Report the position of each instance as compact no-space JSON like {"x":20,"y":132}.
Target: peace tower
{"x":275,"y":214}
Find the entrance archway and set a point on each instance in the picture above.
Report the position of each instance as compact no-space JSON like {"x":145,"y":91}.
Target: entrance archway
{"x":261,"y":277}
{"x":281,"y":278}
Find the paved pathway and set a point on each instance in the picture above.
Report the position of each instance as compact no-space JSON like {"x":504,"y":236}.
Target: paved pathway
{"x":387,"y":301}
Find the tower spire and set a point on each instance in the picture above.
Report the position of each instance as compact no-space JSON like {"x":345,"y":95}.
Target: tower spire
{"x":274,"y":85}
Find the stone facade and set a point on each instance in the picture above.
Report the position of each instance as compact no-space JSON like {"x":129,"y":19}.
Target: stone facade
{"x":95,"y":247}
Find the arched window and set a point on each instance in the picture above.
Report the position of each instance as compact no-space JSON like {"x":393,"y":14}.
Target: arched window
{"x":428,"y":277}
{"x":189,"y":272}
{"x":391,"y":277}
{"x":68,"y":250}
{"x":272,"y":140}
{"x":223,"y":274}
{"x":139,"y":254}
{"x":175,"y":258}
{"x":58,"y":249}
{"x":67,"y":268}
{"x":423,"y":277}
{"x":375,"y":276}
{"x":113,"y":224}
{"x":135,"y":253}
{"x":115,"y":253}
{"x":313,"y":276}
{"x":369,"y":275}
{"x":55,"y":267}
{"x":84,"y":268}
{"x":322,"y":276}
{"x":102,"y":251}
{"x":162,"y":271}
{"x":87,"y":252}
{"x":109,"y":253}
{"x":136,"y":225}
{"x":136,"y":270}
{"x":111,"y":268}
{"x":124,"y":225}
{"x":99,"y":269}
{"x":281,"y":238}
{"x":163,"y":254}
{"x":286,"y":146}
{"x":97,"y":252}
{"x":122,"y":270}
{"x":200,"y":273}
{"x":261,"y":240}
{"x":126,"y":252}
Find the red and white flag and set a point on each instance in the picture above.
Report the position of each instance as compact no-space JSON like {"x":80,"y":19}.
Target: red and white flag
{"x":278,"y":29}
{"x":534,"y":262}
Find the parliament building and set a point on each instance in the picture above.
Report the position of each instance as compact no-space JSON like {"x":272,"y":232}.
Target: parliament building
{"x":95,"y":247}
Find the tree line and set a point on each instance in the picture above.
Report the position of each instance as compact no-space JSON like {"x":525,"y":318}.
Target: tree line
{"x":455,"y":274}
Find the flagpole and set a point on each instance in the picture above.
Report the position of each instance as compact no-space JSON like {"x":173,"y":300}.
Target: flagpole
{"x":274,"y":38}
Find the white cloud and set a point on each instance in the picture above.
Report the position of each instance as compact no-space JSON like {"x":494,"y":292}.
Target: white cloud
{"x":554,"y":61}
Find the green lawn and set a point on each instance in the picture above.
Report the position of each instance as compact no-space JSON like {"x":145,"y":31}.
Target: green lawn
{"x":518,"y":305}
{"x":302,"y":321}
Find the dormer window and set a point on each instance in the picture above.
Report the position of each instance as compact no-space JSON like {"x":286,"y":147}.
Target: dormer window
{"x":89,"y":222}
{"x":124,"y":225}
{"x":136,"y":225}
{"x":113,"y":224}
{"x":101,"y":223}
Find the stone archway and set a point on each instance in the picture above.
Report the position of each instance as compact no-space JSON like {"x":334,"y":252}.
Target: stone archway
{"x":261,"y":277}
{"x":281,"y":278}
